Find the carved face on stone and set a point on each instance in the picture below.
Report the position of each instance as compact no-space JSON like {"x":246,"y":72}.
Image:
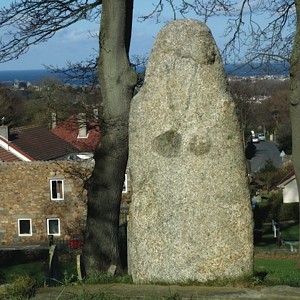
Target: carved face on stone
{"x":187,"y":165}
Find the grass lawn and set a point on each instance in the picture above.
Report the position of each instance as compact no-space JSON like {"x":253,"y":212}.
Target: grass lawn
{"x":37,"y":270}
{"x":289,"y":232}
{"x":277,"y":271}
{"x":268,"y":271}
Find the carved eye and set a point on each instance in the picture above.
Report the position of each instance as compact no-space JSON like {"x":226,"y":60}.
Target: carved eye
{"x":167,"y":144}
{"x":199,"y":145}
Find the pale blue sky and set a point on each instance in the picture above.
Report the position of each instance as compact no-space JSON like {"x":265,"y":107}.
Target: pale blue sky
{"x":75,"y":43}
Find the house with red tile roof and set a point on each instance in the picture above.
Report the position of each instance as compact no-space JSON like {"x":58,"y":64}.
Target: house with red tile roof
{"x":49,"y":198}
{"x":84,"y":135}
{"x":7,"y":156}
{"x":45,"y":199}
{"x":42,"y":199}
{"x":34,"y":143}
{"x":40,"y":143}
{"x":10,"y":153}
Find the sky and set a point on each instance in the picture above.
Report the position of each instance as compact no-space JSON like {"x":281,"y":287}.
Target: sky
{"x":76,"y":43}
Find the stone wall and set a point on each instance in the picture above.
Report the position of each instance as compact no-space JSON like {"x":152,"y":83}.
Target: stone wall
{"x":25,"y":194}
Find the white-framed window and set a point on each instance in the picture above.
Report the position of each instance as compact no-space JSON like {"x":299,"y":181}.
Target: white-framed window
{"x":24,"y":227}
{"x":125,"y":186}
{"x":53,"y":226}
{"x":57,"y":189}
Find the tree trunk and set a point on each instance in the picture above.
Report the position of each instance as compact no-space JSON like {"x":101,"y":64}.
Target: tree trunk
{"x":117,"y":81}
{"x":294,"y":97}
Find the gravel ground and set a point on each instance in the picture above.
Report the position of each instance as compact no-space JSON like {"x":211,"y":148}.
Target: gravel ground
{"x":131,"y":291}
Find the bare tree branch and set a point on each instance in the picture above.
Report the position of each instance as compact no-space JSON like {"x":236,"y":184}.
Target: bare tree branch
{"x":84,"y":72}
{"x":261,"y":31}
{"x":29,"y":22}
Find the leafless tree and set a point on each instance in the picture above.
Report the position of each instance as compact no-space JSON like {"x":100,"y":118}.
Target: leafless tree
{"x":242,"y":95}
{"x":11,"y":107}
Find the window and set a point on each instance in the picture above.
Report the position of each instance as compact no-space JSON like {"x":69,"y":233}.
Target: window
{"x":24,"y":227}
{"x":53,"y":226}
{"x":57,"y":189}
{"x":125,"y":187}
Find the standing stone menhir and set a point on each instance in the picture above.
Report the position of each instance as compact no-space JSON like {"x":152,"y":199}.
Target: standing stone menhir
{"x":190,"y":216}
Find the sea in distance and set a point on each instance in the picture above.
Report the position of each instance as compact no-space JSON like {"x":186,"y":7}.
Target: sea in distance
{"x":33,"y":76}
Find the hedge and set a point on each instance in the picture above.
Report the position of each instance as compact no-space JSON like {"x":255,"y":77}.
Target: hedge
{"x":275,"y":209}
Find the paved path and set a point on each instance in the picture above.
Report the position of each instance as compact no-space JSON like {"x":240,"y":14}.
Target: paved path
{"x":265,"y":151}
{"x":131,"y":291}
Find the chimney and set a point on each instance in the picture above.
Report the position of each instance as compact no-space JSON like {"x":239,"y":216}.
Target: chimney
{"x":82,"y":131}
{"x":96,"y":114}
{"x":53,"y":120}
{"x":4,"y":131}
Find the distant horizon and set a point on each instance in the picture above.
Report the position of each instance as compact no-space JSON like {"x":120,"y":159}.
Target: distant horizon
{"x":34,"y":75}
{"x":46,"y":69}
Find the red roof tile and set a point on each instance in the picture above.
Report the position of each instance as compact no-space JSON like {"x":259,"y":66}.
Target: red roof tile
{"x":40,"y":143}
{"x":69,"y":131}
{"x":10,"y":152}
{"x":7,"y":156}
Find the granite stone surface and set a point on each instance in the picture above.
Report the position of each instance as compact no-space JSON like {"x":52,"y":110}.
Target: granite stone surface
{"x":190,"y":216}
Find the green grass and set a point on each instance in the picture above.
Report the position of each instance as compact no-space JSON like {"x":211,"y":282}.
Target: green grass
{"x":36,"y":270}
{"x":277,"y":271}
{"x":106,"y":279}
{"x":267,"y":272}
{"x":289,"y":232}
{"x":39,"y":271}
{"x":23,"y":288}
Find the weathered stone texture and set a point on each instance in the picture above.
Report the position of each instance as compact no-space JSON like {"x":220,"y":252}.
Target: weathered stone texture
{"x":25,"y":193}
{"x":190,"y":215}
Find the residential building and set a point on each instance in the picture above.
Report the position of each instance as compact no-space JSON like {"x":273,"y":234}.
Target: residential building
{"x":42,"y":190}
{"x":289,"y":188}
{"x":42,"y":199}
{"x":82,"y":134}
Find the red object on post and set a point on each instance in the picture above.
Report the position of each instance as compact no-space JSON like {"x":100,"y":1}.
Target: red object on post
{"x":75,"y":244}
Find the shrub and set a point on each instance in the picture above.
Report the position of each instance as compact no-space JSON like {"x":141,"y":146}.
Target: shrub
{"x":289,"y":211}
{"x":24,"y":287}
{"x":275,"y":209}
{"x":105,"y":278}
{"x":276,"y":202}
{"x":269,"y":175}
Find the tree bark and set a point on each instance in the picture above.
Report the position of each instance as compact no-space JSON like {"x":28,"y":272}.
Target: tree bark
{"x":117,"y":81}
{"x":294,"y":97}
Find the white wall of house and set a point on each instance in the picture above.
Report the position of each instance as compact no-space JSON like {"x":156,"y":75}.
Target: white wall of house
{"x":290,"y":192}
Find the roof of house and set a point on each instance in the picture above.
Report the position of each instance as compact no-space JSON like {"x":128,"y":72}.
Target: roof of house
{"x":287,"y":179}
{"x":9,"y":152}
{"x":40,"y":143}
{"x":69,"y":131}
{"x":7,"y":156}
